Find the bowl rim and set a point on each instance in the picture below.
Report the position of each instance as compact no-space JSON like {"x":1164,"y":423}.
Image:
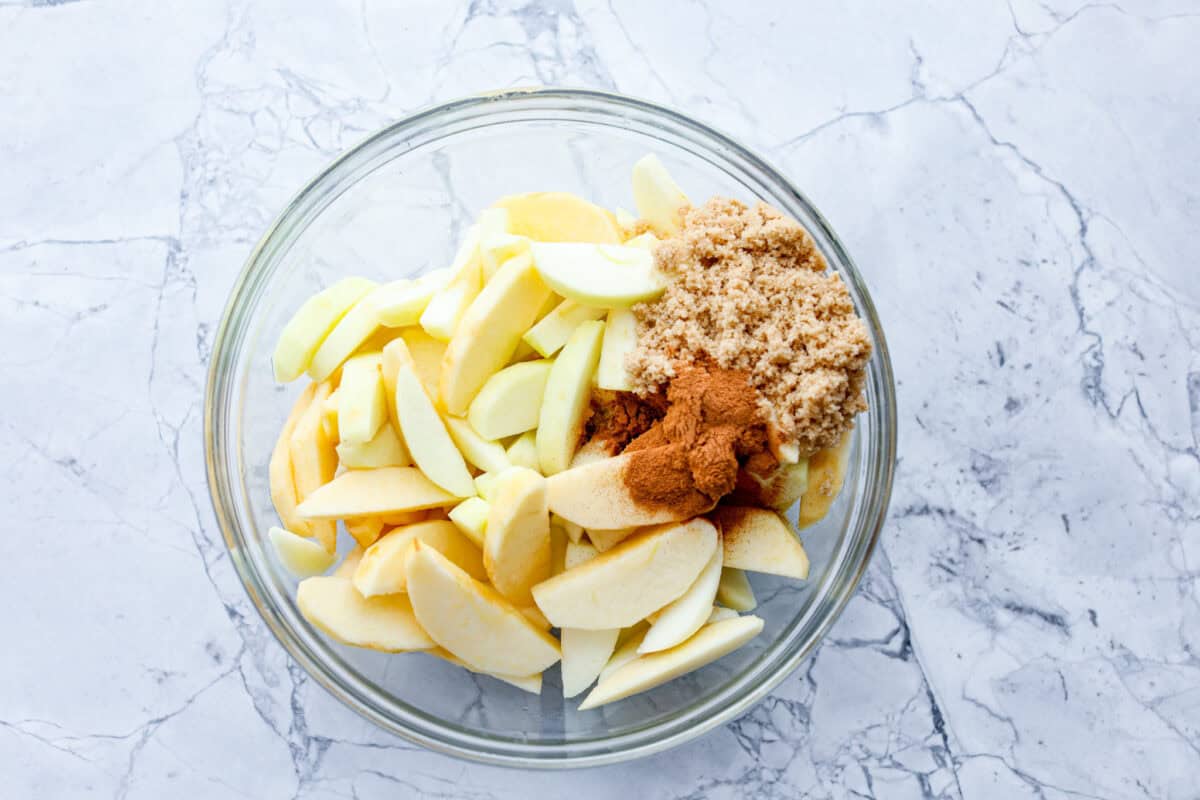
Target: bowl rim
{"x":880,"y":375}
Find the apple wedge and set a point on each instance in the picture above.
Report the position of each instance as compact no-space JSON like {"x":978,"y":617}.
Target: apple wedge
{"x":523,"y":452}
{"x":516,"y":548}
{"x":332,"y":604}
{"x":551,"y":332}
{"x":472,"y":620}
{"x":528,"y":683}
{"x":426,"y":353}
{"x":384,"y":450}
{"x":637,"y":577}
{"x":573,"y":531}
{"x":595,"y":496}
{"x":620,"y":338}
{"x":535,"y":615}
{"x":734,"y":590}
{"x":826,"y":473}
{"x":590,"y":452}
{"x":349,"y":564}
{"x":361,"y":400}
{"x":485,"y":484}
{"x":558,"y":548}
{"x":720,"y":614}
{"x":347,"y":336}
{"x":381,"y":570}
{"x":628,"y":642}
{"x":279,"y":470}
{"x":489,"y":332}
{"x":657,"y":197}
{"x":487,"y":455}
{"x":311,"y":324}
{"x":567,"y":398}
{"x":605,"y":276}
{"x":645,"y":672}
{"x":578,"y":553}
{"x":401,"y":303}
{"x":608,"y":539}
{"x":424,"y":431}
{"x":778,"y":489}
{"x":364,"y":530}
{"x":510,"y":401}
{"x":447,"y":306}
{"x":314,"y":463}
{"x":677,"y":621}
{"x":558,"y":217}
{"x":760,"y":541}
{"x":302,"y":557}
{"x":375,"y":492}
{"x":584,"y":654}
{"x":471,"y":517}
{"x":496,"y":248}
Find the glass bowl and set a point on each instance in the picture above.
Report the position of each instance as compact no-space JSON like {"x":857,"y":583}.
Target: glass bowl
{"x":397,"y":205}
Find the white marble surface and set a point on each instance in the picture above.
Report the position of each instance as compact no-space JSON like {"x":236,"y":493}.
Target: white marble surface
{"x":1019,"y":181}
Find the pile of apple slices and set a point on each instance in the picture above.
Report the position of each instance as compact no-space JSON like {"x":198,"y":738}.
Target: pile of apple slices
{"x":441,"y":427}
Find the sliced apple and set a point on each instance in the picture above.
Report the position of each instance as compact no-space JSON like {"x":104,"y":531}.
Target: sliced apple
{"x":720,"y":614}
{"x":425,"y":433}
{"x":626,"y":221}
{"x":349,"y":564}
{"x":497,"y":248}
{"x":397,"y":518}
{"x":608,"y":539}
{"x":535,"y":615}
{"x":485,"y":484}
{"x":329,"y":416}
{"x":523,"y":451}
{"x":471,"y":516}
{"x":334,"y":606}
{"x":606,"y":276}
{"x":578,"y":553}
{"x":646,"y":241}
{"x":373,"y":493}
{"x":734,"y":590}
{"x":279,"y":471}
{"x":384,"y":450}
{"x":527,"y":683}
{"x":657,"y":197}
{"x":678,"y":620}
{"x":365,"y":530}
{"x":559,"y":217}
{"x":567,"y":398}
{"x":510,"y":401}
{"x":474,"y":621}
{"x":826,"y":474}
{"x":361,"y":400}
{"x":628,"y":642}
{"x":620,"y":338}
{"x":584,"y":654}
{"x":573,"y":531}
{"x":759,"y":540}
{"x":516,"y":548}
{"x":314,"y":463}
{"x":401,"y":303}
{"x":489,"y":332}
{"x":311,"y":324}
{"x":347,"y":336}
{"x":778,"y":489}
{"x":302,"y":557}
{"x":637,"y":577}
{"x":645,"y":672}
{"x":551,"y":332}
{"x":558,"y":548}
{"x":487,"y":455}
{"x":382,"y":569}
{"x":590,"y":452}
{"x":595,"y":496}
{"x":447,"y":306}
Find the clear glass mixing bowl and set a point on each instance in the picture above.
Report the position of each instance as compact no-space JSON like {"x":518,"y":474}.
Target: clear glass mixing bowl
{"x":395,"y":206}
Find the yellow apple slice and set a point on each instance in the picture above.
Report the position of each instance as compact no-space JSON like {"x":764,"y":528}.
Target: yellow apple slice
{"x":734,"y":590}
{"x":720,"y":614}
{"x":628,"y":642}
{"x":329,"y":416}
{"x":778,"y":489}
{"x":509,"y":402}
{"x":646,"y":241}
{"x":302,"y":557}
{"x":596,"y":497}
{"x":607,"y":276}
{"x":578,"y":553}
{"x":426,"y":353}
{"x":590,"y":452}
{"x":361,"y":400}
{"x":645,"y":672}
{"x":685,"y":615}
{"x":485,"y":484}
{"x":382,"y":570}
{"x":759,"y":540}
{"x":365,"y":530}
{"x":401,"y":303}
{"x":349,"y":564}
{"x":347,"y":336}
{"x":534,"y":615}
{"x":314,"y":463}
{"x":497,"y":248}
{"x":487,"y":455}
{"x":279,"y":470}
{"x":573,"y":531}
{"x":489,"y":332}
{"x":448,"y":304}
{"x":527,"y":683}
{"x":523,"y":452}
{"x":384,"y":450}
{"x":374,"y":492}
{"x":312,"y":322}
{"x":620,"y":338}
{"x":333,"y":605}
{"x":425,"y":433}
{"x":657,"y":197}
{"x":558,"y":548}
{"x":516,"y":549}
{"x":471,"y":516}
{"x":637,"y":577}
{"x":608,"y":539}
{"x":584,"y":654}
{"x":567,"y":398}
{"x":550,"y":333}
{"x":472,"y":620}
{"x":626,"y":221}
{"x":559,"y":217}
{"x":826,"y":473}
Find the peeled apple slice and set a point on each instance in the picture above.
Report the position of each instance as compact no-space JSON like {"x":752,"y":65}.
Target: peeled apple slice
{"x":471,"y":517}
{"x":352,"y":330}
{"x":584,"y":654}
{"x":374,"y":492}
{"x":333,"y":605}
{"x":568,"y":395}
{"x":595,"y":496}
{"x":302,"y":557}
{"x":759,"y":540}
{"x":551,"y":332}
{"x":620,"y":338}
{"x":361,"y":400}
{"x":384,"y":450}
{"x":826,"y":473}
{"x":516,"y":547}
{"x":677,"y":621}
{"x":734,"y":590}
{"x":528,"y":683}
{"x":314,"y":463}
{"x":524,"y":453}
{"x":279,"y":471}
{"x":558,"y":217}
{"x":647,"y":671}
{"x":606,"y":276}
{"x":382,"y":568}
{"x":511,"y":400}
{"x":402,"y":302}
{"x":311,"y":323}
{"x":657,"y":197}
{"x":487,"y":455}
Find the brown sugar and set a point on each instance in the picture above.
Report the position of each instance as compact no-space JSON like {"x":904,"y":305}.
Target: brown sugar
{"x":750,"y":293}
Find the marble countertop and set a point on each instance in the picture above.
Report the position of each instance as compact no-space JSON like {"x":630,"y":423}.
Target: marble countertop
{"x":1020,"y":183}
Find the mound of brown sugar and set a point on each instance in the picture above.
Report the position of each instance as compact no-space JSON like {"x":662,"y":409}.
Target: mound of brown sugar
{"x":750,"y":294}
